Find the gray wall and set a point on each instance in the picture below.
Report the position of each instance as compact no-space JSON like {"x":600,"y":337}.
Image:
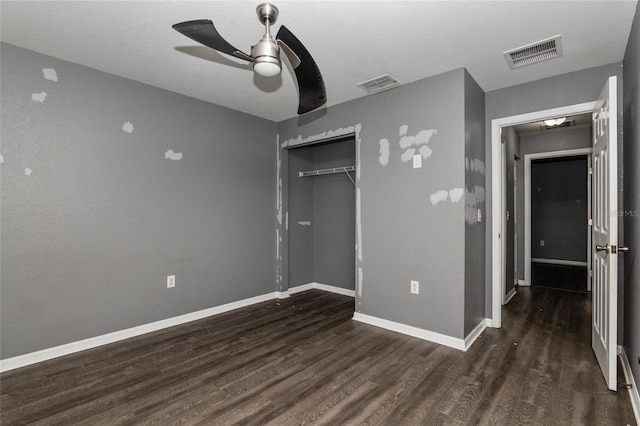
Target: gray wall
{"x":567,"y":89}
{"x":301,"y":209}
{"x":406,"y":236}
{"x":334,"y":216}
{"x":538,"y":142}
{"x":321,"y":216}
{"x":511,"y":139}
{"x":474,"y":263}
{"x":559,"y":208}
{"x":632,"y":197}
{"x":90,"y":235}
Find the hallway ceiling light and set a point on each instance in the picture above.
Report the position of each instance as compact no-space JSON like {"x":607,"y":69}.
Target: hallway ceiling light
{"x":555,"y":121}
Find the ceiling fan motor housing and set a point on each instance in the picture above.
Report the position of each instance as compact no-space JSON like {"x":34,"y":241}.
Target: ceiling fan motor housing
{"x":266,"y":52}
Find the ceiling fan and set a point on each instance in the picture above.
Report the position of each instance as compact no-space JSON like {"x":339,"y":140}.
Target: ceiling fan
{"x":265,"y":55}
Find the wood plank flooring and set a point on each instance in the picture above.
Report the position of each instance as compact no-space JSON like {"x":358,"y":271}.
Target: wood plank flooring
{"x":303,"y":360}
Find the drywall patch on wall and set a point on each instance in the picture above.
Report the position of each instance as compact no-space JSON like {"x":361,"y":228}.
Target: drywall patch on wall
{"x":38,"y":97}
{"x":472,"y":199}
{"x":438,"y":197}
{"x":286,"y":221}
{"x":1,"y":159}
{"x":359,"y":283}
{"x":418,"y":142}
{"x":279,"y":191}
{"x":50,"y":74}
{"x":474,"y":165}
{"x":342,"y":131}
{"x":384,"y":152}
{"x":456,"y":194}
{"x":359,"y":223}
{"x":170,"y":155}
{"x":28,"y":171}
{"x":304,"y":223}
{"x":128,"y":127}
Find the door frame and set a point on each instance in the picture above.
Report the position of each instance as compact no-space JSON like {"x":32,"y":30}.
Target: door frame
{"x":527,"y":204}
{"x":498,"y":166}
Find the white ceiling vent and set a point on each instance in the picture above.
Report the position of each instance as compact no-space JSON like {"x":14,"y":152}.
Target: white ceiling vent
{"x":378,"y":84}
{"x":530,"y":54}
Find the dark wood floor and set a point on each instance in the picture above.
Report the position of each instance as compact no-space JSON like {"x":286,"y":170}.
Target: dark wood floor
{"x":304,"y":361}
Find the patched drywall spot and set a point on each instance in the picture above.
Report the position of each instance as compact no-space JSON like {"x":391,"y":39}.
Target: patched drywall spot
{"x":384,"y":151}
{"x":286,"y":221}
{"x":28,"y":171}
{"x":418,"y":142}
{"x":38,"y":97}
{"x":456,"y":194}
{"x":1,"y":159}
{"x":342,"y":131}
{"x":358,"y":141}
{"x":475,"y":165}
{"x":438,"y":197}
{"x":359,"y":282}
{"x":407,"y":155}
{"x":304,"y":223}
{"x":50,"y":74}
{"x":170,"y":155}
{"x":473,"y":199}
{"x":128,"y":127}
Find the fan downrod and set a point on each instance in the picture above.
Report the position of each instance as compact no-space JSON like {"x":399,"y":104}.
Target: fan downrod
{"x":267,"y":12}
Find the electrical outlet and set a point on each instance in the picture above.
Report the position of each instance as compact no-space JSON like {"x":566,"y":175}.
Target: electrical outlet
{"x":171,"y":281}
{"x":415,"y":287}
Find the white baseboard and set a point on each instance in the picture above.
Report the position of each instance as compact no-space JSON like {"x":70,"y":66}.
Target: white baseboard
{"x":520,"y":282}
{"x":475,"y":333}
{"x":523,"y":283}
{"x":509,"y":296}
{"x":93,"y":342}
{"x":420,"y":333}
{"x":323,"y":287}
{"x":634,"y":395}
{"x":281,"y":294}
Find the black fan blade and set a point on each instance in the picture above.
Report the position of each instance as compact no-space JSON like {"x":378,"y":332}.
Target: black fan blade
{"x":203,"y":31}
{"x":310,"y":83}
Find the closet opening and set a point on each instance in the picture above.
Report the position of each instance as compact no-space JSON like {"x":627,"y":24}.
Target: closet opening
{"x":322,"y":215}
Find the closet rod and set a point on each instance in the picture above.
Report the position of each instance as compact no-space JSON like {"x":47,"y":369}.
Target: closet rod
{"x":345,"y":169}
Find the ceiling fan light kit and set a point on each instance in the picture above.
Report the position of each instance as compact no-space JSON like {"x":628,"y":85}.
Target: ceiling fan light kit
{"x":265,"y":55}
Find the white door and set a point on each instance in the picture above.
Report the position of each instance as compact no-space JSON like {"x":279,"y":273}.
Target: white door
{"x":605,"y":233}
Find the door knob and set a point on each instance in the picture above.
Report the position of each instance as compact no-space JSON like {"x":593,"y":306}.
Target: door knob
{"x":602,"y":248}
{"x":623,"y":249}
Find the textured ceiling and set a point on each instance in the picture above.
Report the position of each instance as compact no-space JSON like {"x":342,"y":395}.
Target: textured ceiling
{"x":350,"y":41}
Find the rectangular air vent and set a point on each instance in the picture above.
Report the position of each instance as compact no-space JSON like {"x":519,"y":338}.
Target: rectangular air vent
{"x":533,"y":53}
{"x":378,"y":84}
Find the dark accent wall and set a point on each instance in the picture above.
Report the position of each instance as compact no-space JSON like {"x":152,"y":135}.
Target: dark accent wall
{"x":559,"y":208}
{"x":631,"y":215}
{"x":553,"y":92}
{"x":412,"y":219}
{"x":97,"y":212}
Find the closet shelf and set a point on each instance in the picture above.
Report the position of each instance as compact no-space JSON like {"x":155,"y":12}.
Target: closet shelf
{"x":345,"y":169}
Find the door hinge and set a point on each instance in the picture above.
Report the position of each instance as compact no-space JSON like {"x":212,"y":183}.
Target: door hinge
{"x":590,"y":222}
{"x":590,"y":273}
{"x":590,"y":170}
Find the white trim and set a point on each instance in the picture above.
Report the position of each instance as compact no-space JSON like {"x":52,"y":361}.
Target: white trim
{"x":420,"y":333}
{"x":634,"y":396}
{"x":282,"y":294}
{"x":497,"y":170}
{"x":523,"y":284}
{"x":559,"y":262}
{"x":323,"y":287}
{"x":475,"y":333}
{"x":527,"y":198}
{"x":510,"y":295}
{"x":93,"y":342}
